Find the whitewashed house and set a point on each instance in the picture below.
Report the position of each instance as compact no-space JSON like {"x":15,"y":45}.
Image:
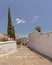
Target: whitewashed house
{"x":41,"y":42}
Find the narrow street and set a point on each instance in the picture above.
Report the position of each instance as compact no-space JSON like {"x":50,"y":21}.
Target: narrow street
{"x":24,"y":56}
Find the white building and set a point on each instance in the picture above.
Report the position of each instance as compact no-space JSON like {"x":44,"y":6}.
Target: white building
{"x":41,"y":42}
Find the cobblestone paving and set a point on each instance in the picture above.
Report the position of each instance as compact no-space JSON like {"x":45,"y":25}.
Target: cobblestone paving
{"x":24,"y":56}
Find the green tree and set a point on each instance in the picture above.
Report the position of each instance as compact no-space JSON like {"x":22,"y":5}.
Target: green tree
{"x":10,"y":29}
{"x":13,"y":33}
{"x":38,"y":29}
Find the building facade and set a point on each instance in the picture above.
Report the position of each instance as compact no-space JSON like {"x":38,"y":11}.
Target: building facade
{"x":41,"y":42}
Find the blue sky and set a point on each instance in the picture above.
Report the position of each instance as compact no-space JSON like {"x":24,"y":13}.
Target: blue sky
{"x":26,"y":15}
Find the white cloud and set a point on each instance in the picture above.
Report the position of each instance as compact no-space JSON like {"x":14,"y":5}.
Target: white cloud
{"x":18,"y":20}
{"x":35,"y":19}
{"x":36,"y":16}
{"x":23,"y":21}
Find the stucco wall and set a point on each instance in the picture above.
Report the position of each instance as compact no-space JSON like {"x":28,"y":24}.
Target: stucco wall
{"x":41,"y":42}
{"x":7,"y":47}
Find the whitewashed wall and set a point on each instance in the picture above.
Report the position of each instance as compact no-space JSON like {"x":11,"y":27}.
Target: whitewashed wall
{"x":41,"y":42}
{"x":7,"y":47}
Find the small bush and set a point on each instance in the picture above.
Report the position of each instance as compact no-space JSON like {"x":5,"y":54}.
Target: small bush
{"x":18,"y":41}
{"x":4,"y":39}
{"x":38,"y":29}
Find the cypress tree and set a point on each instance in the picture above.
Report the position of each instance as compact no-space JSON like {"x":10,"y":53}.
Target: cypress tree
{"x":10,"y":30}
{"x":13,"y":33}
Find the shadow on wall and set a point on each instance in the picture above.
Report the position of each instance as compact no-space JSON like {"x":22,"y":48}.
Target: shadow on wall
{"x":45,"y":56}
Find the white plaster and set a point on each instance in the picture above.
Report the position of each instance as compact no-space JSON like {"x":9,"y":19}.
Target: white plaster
{"x":41,"y":42}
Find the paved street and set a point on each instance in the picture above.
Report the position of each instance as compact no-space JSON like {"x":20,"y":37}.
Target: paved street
{"x":24,"y":56}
